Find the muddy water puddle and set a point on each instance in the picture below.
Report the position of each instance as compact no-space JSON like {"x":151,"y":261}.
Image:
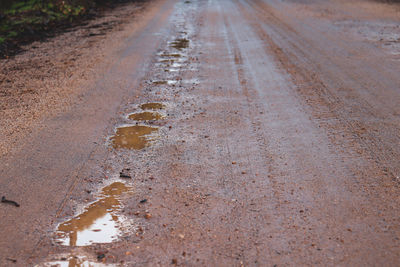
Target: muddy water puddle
{"x":172,"y":55}
{"x":75,"y":261}
{"x":180,"y":43}
{"x":145,"y":116}
{"x":99,"y":222}
{"x":171,"y":61}
{"x":165,"y":82}
{"x":168,"y":61}
{"x":133,"y":137}
{"x":176,"y":65}
{"x":152,"y":106}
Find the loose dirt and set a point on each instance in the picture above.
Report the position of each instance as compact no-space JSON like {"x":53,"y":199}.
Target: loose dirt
{"x":48,"y":77}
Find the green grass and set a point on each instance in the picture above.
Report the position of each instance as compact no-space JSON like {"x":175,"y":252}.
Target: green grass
{"x":32,"y":15}
{"x":22,"y":6}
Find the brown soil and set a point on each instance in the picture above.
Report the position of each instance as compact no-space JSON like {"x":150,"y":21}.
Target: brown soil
{"x":50,"y":74}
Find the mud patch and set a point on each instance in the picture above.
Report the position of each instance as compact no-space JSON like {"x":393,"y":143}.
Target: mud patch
{"x":145,"y":116}
{"x":153,"y":106}
{"x":99,"y":223}
{"x":132,"y":137}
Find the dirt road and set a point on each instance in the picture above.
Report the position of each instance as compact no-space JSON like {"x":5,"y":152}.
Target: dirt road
{"x":218,"y":133}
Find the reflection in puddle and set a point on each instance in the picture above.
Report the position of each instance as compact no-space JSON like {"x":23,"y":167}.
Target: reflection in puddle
{"x":98,"y":223}
{"x":75,"y":261}
{"x":180,"y":43}
{"x":171,"y":82}
{"x":153,"y":106}
{"x":176,"y":65}
{"x":145,"y":116}
{"x":132,"y":137}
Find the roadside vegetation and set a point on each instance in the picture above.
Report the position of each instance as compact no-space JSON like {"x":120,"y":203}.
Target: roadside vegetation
{"x":23,"y":21}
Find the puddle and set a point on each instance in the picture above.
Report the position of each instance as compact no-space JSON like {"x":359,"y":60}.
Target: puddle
{"x":160,"y":82}
{"x":99,"y":223}
{"x":153,"y":106}
{"x":145,"y":116}
{"x":170,"y":55}
{"x":172,"y":70}
{"x":75,"y":261}
{"x":132,"y":137}
{"x":180,"y":43}
{"x":168,"y":82}
{"x":169,"y":61}
{"x":176,"y":65}
{"x":171,"y":82}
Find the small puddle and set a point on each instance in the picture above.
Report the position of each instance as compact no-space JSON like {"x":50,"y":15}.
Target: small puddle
{"x":145,"y":116}
{"x":153,"y":106}
{"x":168,"y":82}
{"x":99,"y":223}
{"x":75,"y":261}
{"x":175,"y":55}
{"x":160,"y":82}
{"x":180,"y":43}
{"x":176,"y":65}
{"x":170,"y":61}
{"x":132,"y":137}
{"x":172,"y":70}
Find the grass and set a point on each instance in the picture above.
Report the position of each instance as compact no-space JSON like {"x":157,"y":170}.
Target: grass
{"x":26,"y":18}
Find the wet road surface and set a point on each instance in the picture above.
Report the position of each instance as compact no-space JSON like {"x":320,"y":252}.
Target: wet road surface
{"x":226,"y":133}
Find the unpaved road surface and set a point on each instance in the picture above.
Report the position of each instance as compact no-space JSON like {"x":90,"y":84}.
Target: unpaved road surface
{"x":215,"y":133}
